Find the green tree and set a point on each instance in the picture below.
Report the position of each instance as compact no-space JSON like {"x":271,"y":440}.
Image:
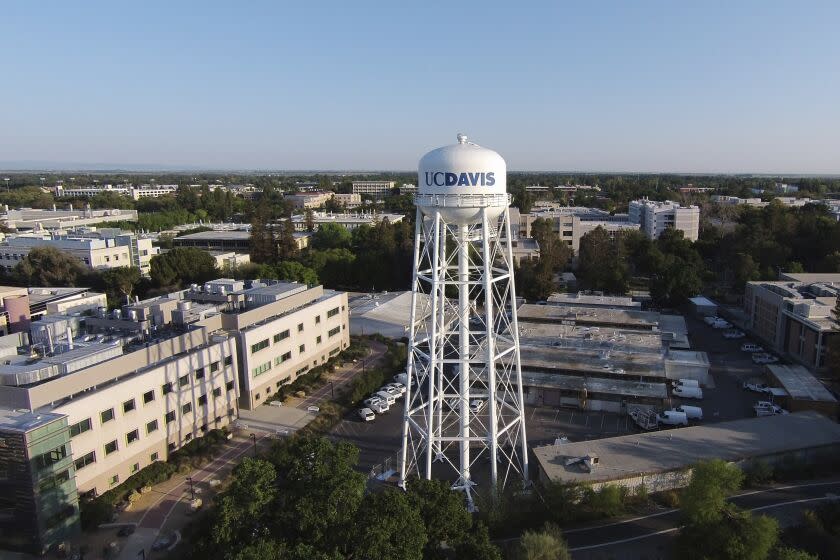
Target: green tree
{"x":704,"y":499}
{"x":547,"y":544}
{"x":286,"y":244}
{"x":48,"y":266}
{"x":389,"y":527}
{"x":296,"y":272}
{"x":262,"y":241}
{"x":786,"y":553}
{"x":554,"y":251}
{"x":120,"y":283}
{"x":443,"y":513}
{"x":601,"y":265}
{"x":332,"y":236}
{"x":320,"y":491}
{"x":240,"y":509}
{"x":738,"y":535}
{"x":477,"y":545}
{"x":181,"y":266}
{"x":310,"y":220}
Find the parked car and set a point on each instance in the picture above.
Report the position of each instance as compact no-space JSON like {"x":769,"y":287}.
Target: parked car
{"x":672,"y":418}
{"x":691,"y":412}
{"x":750,"y":347}
{"x":380,"y":407}
{"x":757,"y":387}
{"x":366,"y":414}
{"x":399,"y":387}
{"x":710,"y":320}
{"x":163,"y":542}
{"x":386,"y":396}
{"x":371,"y":401}
{"x":721,"y":324}
{"x":766,"y":408}
{"x":764,"y":358}
{"x":734,"y":334}
{"x":391,"y":391}
{"x":477,"y":405}
{"x":126,"y":530}
{"x":686,"y":383}
{"x":403,"y":379}
{"x":689,"y":392}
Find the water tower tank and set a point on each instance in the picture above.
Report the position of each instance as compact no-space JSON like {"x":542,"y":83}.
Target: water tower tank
{"x":460,"y":180}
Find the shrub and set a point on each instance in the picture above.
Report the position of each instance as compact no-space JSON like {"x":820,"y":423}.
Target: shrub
{"x":757,"y":473}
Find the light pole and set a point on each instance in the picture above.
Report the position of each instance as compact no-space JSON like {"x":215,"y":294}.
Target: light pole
{"x":192,"y":489}
{"x":254,"y":437}
{"x":332,"y":389}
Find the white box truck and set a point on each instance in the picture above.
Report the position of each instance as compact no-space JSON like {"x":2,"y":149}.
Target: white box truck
{"x":692,"y":412}
{"x":689,"y":392}
{"x":672,"y":418}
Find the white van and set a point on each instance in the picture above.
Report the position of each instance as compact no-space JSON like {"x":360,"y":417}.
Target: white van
{"x":672,"y":418}
{"x":689,"y":392}
{"x":387,"y":397}
{"x":685,"y":383}
{"x":692,"y":412}
{"x":477,"y":405}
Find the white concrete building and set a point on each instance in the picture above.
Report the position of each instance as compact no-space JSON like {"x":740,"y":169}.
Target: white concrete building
{"x":131,"y":191}
{"x":655,"y":217}
{"x":307,"y":200}
{"x":110,"y":250}
{"x":347,"y":220}
{"x":571,"y":223}
{"x":374,"y":188}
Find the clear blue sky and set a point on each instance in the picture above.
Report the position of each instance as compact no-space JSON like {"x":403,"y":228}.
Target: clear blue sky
{"x":731,"y":86}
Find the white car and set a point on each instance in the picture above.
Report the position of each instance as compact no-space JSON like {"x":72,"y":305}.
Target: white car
{"x":391,"y":391}
{"x":734,"y":334}
{"x":710,"y":320}
{"x":766,"y":408}
{"x":371,"y":401}
{"x":721,"y":324}
{"x":757,"y":387}
{"x":366,"y":414}
{"x":750,"y":347}
{"x":477,"y":405}
{"x":380,"y":407}
{"x":398,"y":387}
{"x":764,"y":358}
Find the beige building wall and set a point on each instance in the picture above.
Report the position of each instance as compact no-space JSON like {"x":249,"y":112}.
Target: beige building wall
{"x":209,"y":372}
{"x":279,"y":348}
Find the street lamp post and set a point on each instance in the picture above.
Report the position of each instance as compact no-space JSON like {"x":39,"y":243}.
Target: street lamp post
{"x":254,"y":437}
{"x":192,"y":489}
{"x":332,"y":389}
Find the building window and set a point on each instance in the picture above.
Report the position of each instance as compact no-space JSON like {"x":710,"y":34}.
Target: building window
{"x":110,"y":447}
{"x":332,"y":332}
{"x":85,"y":460}
{"x":184,"y":381}
{"x":217,"y":392}
{"x":228,"y":361}
{"x":257,"y":397}
{"x":284,"y":358}
{"x":214,"y":367}
{"x":300,"y":327}
{"x":199,"y":373}
{"x":135,"y":467}
{"x":115,"y":480}
{"x":107,"y":415}
{"x":334,"y":351}
{"x":302,"y":348}
{"x":302,"y":370}
{"x":151,"y":426}
{"x":231,"y":412}
{"x":281,"y":336}
{"x":132,"y":436}
{"x":52,"y":457}
{"x":202,"y":400}
{"x":259,"y":346}
{"x":186,"y":409}
{"x":148,"y":396}
{"x":332,"y":312}
{"x":318,"y":340}
{"x":153,"y":457}
{"x":128,"y":406}
{"x":317,"y":319}
{"x":170,"y":417}
{"x":261,"y":369}
{"x":229,"y":386}
{"x":166,"y":388}
{"x":172,"y":447}
{"x":80,"y":427}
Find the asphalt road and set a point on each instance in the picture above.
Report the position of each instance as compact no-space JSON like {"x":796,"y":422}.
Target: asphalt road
{"x":375,"y":354}
{"x":611,"y":540}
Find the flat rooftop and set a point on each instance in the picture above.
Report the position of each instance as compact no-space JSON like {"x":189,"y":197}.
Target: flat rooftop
{"x":801,"y":384}
{"x":228,"y":235}
{"x":663,"y":451}
{"x":812,"y":277}
{"x":593,"y":300}
{"x":582,"y":315}
{"x":23,"y":422}
{"x":576,"y":383}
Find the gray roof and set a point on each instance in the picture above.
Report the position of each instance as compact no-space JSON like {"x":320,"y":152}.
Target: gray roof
{"x":623,"y":387}
{"x":670,"y":450}
{"x":217,"y":235}
{"x":25,"y":421}
{"x":800,"y":383}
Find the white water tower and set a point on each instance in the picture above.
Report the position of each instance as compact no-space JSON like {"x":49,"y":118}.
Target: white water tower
{"x":464,"y":418}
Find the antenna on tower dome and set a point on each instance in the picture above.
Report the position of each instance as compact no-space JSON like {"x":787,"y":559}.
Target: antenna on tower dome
{"x":462,"y":138}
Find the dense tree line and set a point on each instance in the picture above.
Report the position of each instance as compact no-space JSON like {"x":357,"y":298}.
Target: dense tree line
{"x":307,"y":500}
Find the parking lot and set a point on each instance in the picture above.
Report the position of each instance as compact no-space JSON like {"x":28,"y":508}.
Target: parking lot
{"x":379,"y":440}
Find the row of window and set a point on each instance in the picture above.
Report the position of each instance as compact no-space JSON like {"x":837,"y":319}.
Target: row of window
{"x":107,"y":415}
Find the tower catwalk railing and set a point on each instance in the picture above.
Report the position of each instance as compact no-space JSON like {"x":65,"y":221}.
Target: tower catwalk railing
{"x":464,"y":417}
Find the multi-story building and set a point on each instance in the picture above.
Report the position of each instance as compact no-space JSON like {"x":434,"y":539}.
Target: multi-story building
{"x":111,"y":249}
{"x":29,"y":219}
{"x":655,"y":217}
{"x":135,"y":192}
{"x":348,"y":200}
{"x":571,"y":223}
{"x":794,"y":316}
{"x":38,"y":496}
{"x":374,"y":188}
{"x":347,"y":220}
{"x":314,"y":199}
